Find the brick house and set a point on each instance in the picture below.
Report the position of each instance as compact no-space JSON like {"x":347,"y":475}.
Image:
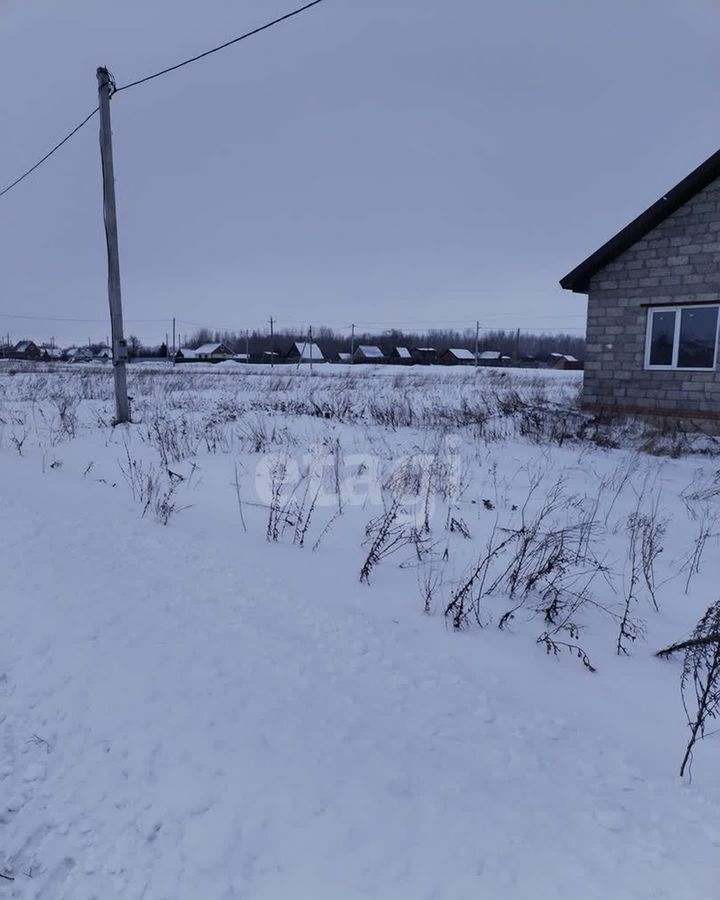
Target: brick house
{"x":653,"y":306}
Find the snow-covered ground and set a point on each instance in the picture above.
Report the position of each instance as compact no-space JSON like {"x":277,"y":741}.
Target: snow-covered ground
{"x":202,"y":699}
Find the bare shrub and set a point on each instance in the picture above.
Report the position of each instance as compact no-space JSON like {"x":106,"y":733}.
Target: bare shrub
{"x":429,"y":581}
{"x":151,"y":487}
{"x":172,"y":438}
{"x":547,"y":563}
{"x":707,"y":524}
{"x":465,"y":599}
{"x":305,"y":508}
{"x":258,"y":436}
{"x":278,"y":505}
{"x":387,"y":534}
{"x":629,"y":629}
{"x":700,"y":681}
{"x":555,"y":646}
{"x":67,"y":407}
{"x":18,"y":441}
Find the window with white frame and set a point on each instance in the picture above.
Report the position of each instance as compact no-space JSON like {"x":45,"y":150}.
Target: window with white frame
{"x":682,"y":337}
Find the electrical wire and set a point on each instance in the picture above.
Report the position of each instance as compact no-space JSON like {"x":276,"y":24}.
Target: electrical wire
{"x":76,"y":319}
{"x":125,"y":87}
{"x":406,"y":324}
{"x":242,"y":37}
{"x":48,"y":155}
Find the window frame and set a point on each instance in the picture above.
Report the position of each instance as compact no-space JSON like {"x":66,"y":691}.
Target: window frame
{"x":678,"y":310}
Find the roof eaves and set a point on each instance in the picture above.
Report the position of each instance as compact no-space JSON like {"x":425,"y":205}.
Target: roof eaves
{"x":579,"y":279}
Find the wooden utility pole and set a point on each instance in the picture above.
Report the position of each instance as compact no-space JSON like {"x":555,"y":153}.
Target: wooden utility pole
{"x":477,"y":343}
{"x":247,"y":345}
{"x":352,"y":343}
{"x":310,"y":343}
{"x":119,"y":346}
{"x":272,"y":345}
{"x":174,"y":348}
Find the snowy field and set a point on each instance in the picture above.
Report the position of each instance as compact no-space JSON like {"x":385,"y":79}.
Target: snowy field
{"x":351,"y":633}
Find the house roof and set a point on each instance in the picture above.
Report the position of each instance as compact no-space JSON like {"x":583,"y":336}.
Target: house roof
{"x":424,"y":350}
{"x":461,"y":353}
{"x":205,"y":349}
{"x":403,"y":352}
{"x":344,"y":356}
{"x":579,"y":279}
{"x":307,"y":351}
{"x":369,"y":350}
{"x":490,"y":354}
{"x":23,"y":346}
{"x":187,"y":353}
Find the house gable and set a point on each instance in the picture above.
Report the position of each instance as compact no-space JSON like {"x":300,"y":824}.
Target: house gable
{"x":306,"y":352}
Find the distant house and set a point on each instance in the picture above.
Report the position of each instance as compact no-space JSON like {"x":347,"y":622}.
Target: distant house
{"x":342,"y":357}
{"x":51,"y":353}
{"x":457,"y":356}
{"x":400,"y":355}
{"x":104,"y":354}
{"x":529,"y":362}
{"x":206,"y":353}
{"x":367,"y":353}
{"x":425,"y":356}
{"x":563,"y":361}
{"x":492,"y":358}
{"x":26,"y":350}
{"x":79,"y":354}
{"x":267,"y":356}
{"x":654,"y":306}
{"x":305,"y":353}
{"x":214,"y":352}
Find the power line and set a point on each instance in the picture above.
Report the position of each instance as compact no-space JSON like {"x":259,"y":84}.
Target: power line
{"x":125,"y":87}
{"x":48,"y":155}
{"x":242,"y":37}
{"x":444,"y":324}
{"x":75,"y":319}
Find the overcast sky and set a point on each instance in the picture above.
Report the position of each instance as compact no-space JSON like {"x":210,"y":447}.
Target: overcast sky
{"x":377,"y":161}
